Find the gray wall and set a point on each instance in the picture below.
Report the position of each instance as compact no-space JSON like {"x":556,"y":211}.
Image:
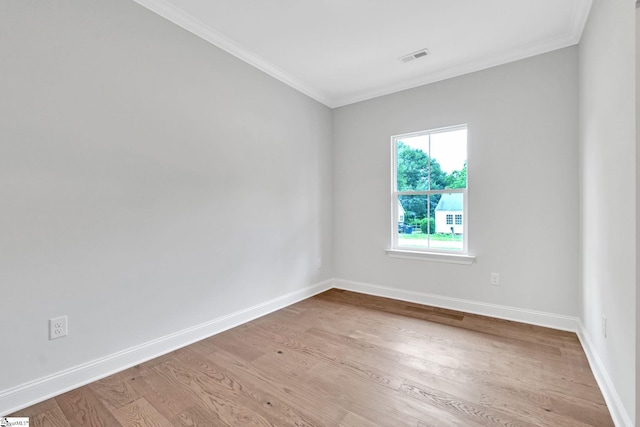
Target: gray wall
{"x":523,"y":184}
{"x":608,"y":165}
{"x":149,"y":182}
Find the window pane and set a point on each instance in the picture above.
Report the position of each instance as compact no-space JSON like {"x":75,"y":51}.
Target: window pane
{"x":449,"y":159}
{"x":412,"y":163}
{"x":448,"y":222}
{"x":421,"y":225}
{"x":414,"y":230}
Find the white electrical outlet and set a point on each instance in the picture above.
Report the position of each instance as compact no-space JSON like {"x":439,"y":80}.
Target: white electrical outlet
{"x":495,"y":279}
{"x":57,"y":327}
{"x":604,"y":326}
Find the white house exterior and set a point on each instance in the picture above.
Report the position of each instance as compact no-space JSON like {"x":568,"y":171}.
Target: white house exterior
{"x":449,"y":213}
{"x":400,"y":213}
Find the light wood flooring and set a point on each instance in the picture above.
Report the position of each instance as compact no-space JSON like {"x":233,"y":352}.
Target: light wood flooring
{"x":342,"y":358}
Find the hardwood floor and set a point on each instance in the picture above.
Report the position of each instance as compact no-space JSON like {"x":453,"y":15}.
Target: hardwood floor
{"x":342,"y":358}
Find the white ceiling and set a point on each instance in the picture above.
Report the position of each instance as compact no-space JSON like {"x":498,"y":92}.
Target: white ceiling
{"x":344,"y":51}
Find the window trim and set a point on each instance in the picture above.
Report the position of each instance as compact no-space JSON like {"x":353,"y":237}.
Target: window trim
{"x":429,"y":254}
{"x":450,"y":258}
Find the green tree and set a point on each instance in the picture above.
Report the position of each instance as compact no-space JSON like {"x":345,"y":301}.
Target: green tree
{"x":416,"y":171}
{"x":428,"y":225}
{"x":458,"y":179}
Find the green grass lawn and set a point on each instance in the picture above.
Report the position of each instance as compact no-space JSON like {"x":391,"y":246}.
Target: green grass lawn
{"x":417,"y":235}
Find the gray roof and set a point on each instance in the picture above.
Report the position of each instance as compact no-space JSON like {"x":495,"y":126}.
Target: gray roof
{"x":450,"y":202}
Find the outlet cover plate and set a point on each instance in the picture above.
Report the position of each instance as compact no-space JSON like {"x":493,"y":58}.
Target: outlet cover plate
{"x":57,"y":327}
{"x":495,"y":279}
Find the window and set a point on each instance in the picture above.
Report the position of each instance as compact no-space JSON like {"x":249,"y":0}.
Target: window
{"x":430,"y":191}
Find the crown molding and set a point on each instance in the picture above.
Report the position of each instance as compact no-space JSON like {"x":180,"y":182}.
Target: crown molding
{"x":580,"y":16}
{"x":168,"y":11}
{"x":457,"y":70}
{"x":570,"y":38}
{"x":173,"y":14}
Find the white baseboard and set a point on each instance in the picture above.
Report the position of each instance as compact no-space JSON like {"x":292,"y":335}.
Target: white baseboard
{"x":567,"y":323}
{"x":620,"y":416}
{"x":24,"y":395}
{"x":539,"y":318}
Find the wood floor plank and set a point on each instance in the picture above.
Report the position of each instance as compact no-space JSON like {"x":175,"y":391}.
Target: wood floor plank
{"x":115,"y":390}
{"x":347,"y":359}
{"x":353,"y":420}
{"x":501,"y":361}
{"x":554,"y":414}
{"x":51,"y":418}
{"x":376,"y":401}
{"x":235,"y":342}
{"x":481,"y":414}
{"x":216,"y":394}
{"x":464,"y":383}
{"x":196,"y":416}
{"x":279,"y":406}
{"x":313,"y":406}
{"x":82,"y":408}
{"x":140,"y":413}
{"x":343,"y":391}
{"x":38,"y":408}
{"x":167,"y":399}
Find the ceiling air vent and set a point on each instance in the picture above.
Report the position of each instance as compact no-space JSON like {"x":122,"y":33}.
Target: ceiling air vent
{"x":416,"y":55}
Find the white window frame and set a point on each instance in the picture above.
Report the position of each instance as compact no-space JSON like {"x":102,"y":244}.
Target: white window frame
{"x":428,"y":254}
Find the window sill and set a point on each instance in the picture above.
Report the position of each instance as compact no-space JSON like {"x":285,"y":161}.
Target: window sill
{"x":431,"y":256}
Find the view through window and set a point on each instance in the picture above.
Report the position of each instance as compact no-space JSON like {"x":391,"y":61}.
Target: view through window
{"x":430,"y":190}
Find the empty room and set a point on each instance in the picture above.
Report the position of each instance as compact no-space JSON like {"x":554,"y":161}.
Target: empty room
{"x":356,"y":213}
